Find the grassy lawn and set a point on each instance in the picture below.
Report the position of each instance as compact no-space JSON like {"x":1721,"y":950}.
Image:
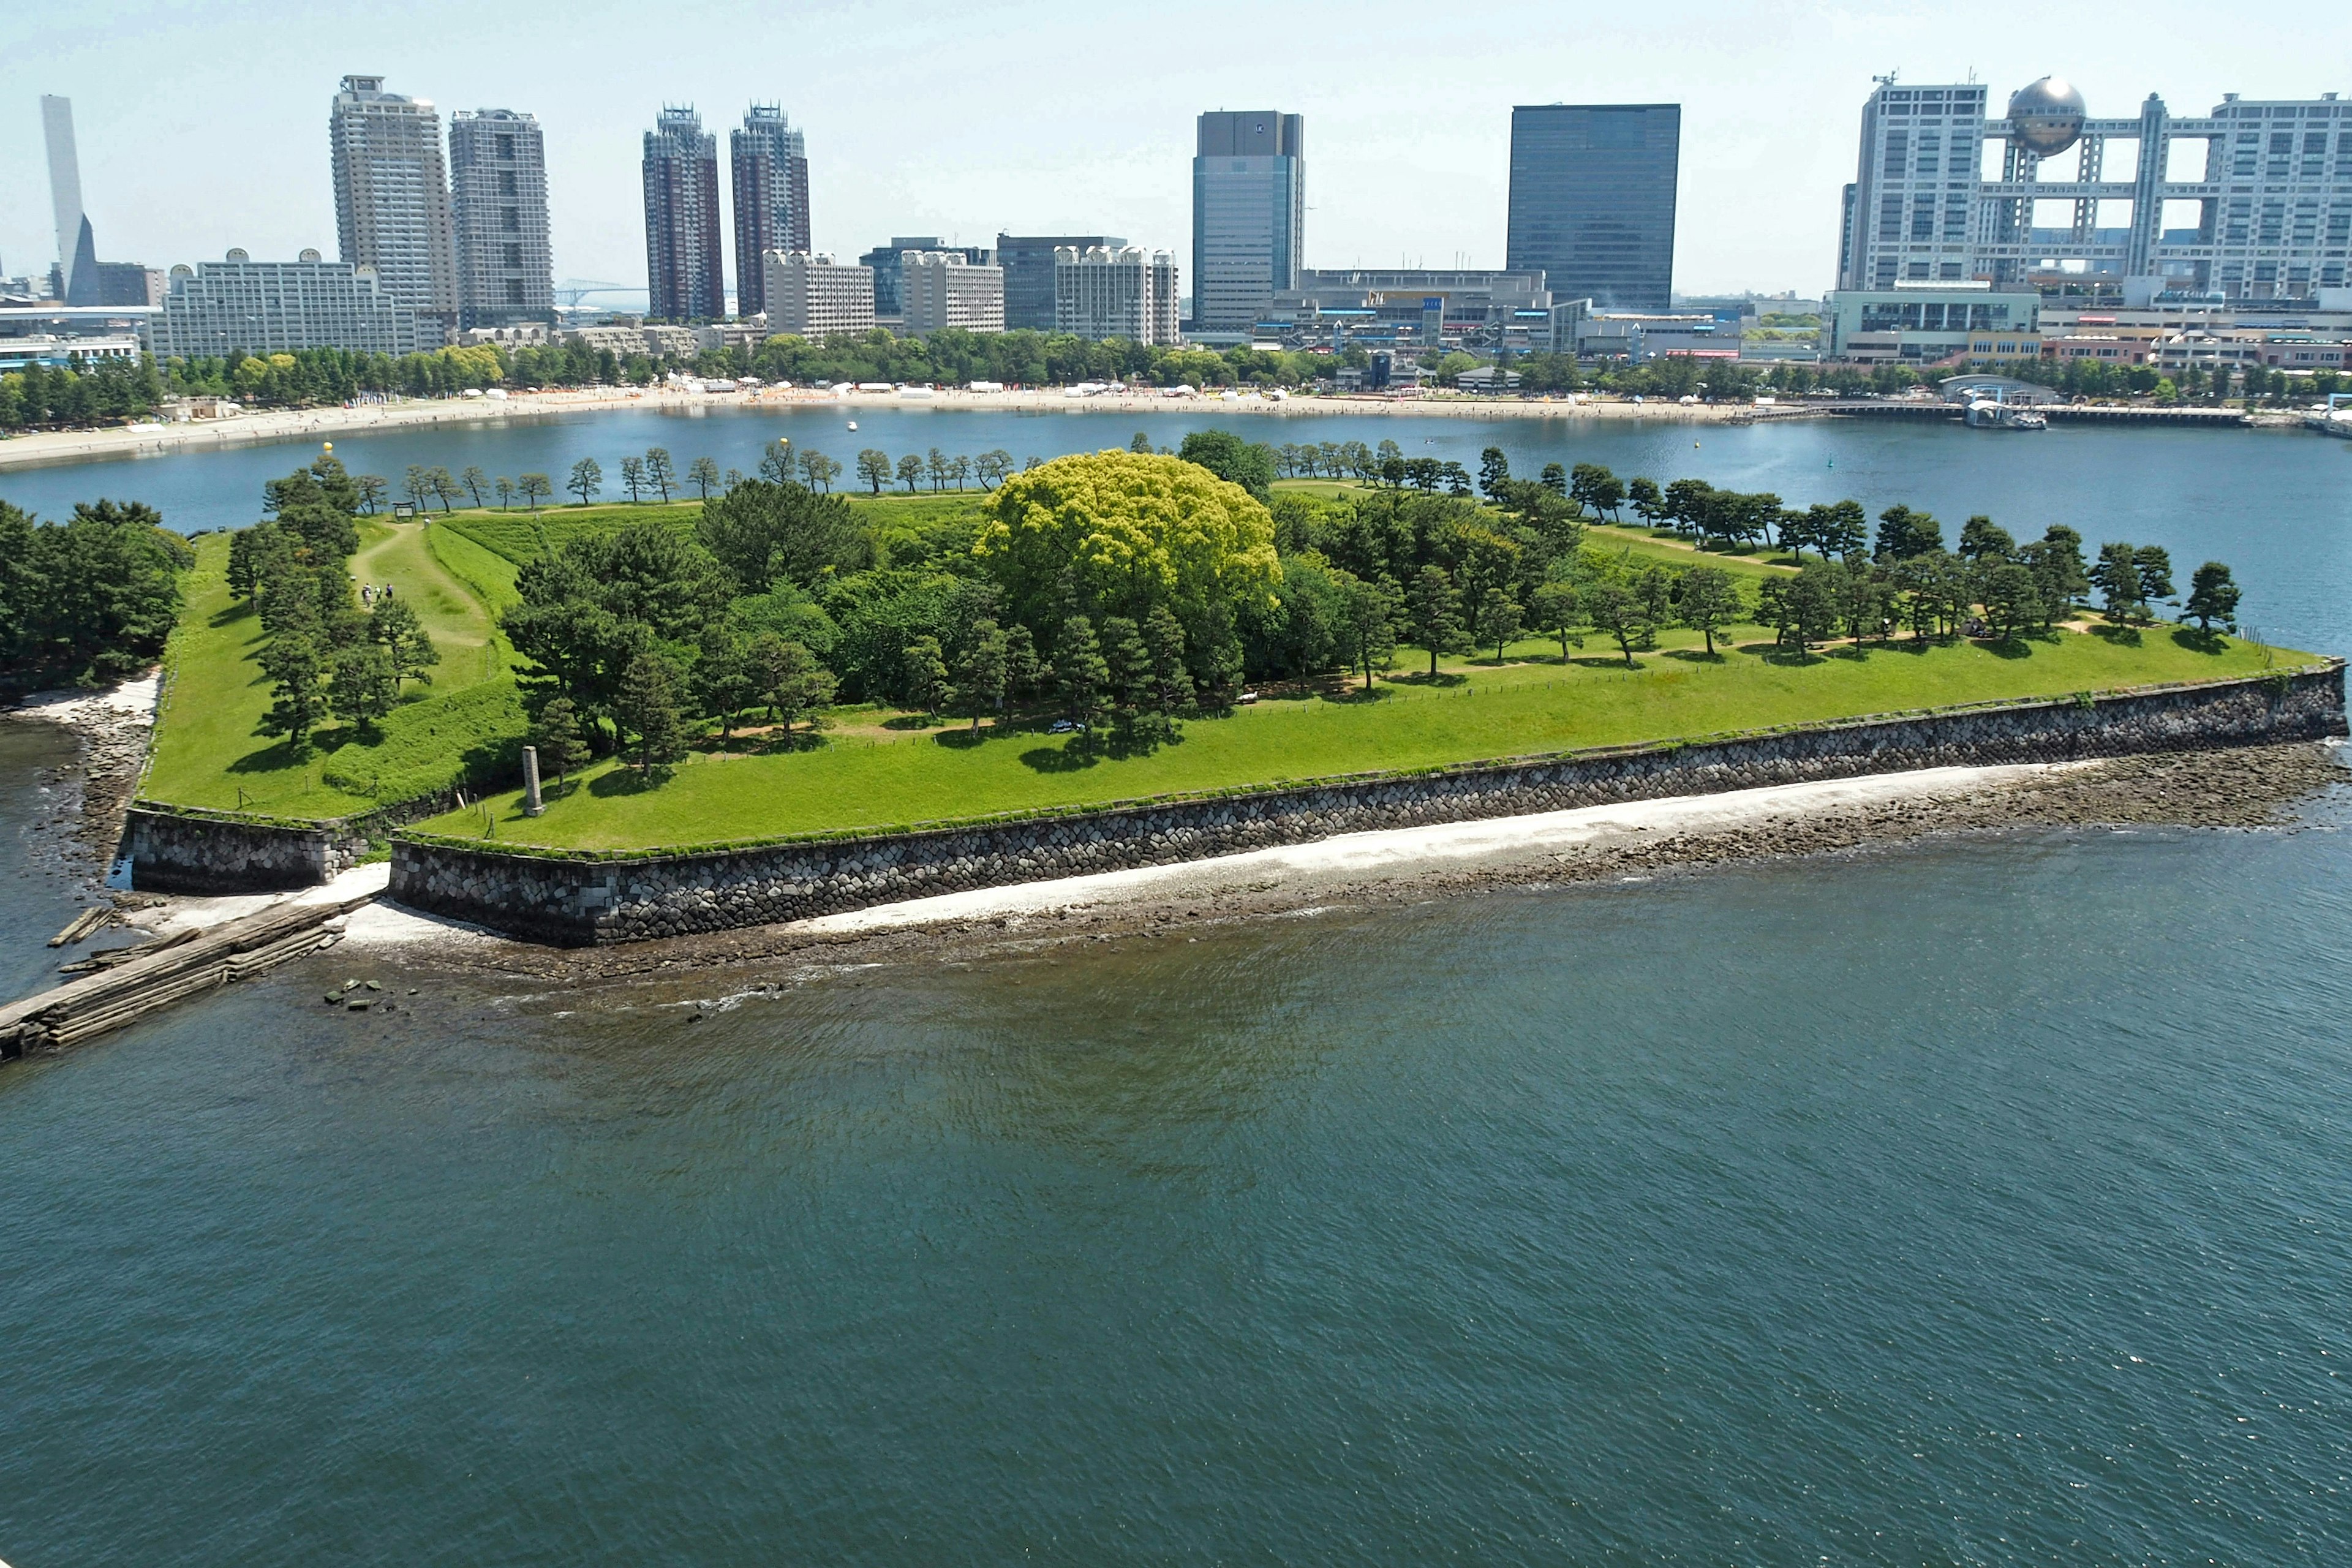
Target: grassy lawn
{"x":206,"y":752}
{"x":1530,"y":704}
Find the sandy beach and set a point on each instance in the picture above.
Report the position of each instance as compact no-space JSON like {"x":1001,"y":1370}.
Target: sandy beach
{"x":52,"y":447}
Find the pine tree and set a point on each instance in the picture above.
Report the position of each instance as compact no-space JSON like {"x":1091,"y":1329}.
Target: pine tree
{"x":298,"y":687}
{"x":363,"y":688}
{"x":556,"y":736}
{"x":1171,"y":683}
{"x":979,"y":672}
{"x":1129,"y":663}
{"x":395,"y":625}
{"x":1433,"y":612}
{"x":1079,"y":670}
{"x":927,"y":674}
{"x":648,"y":710}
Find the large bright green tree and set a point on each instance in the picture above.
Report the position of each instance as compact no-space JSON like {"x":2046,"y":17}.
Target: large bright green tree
{"x":1121,"y":533}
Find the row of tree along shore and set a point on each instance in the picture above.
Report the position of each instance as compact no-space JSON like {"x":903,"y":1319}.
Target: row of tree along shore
{"x":109,"y":392}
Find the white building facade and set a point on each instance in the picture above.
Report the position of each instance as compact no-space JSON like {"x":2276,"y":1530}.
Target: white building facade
{"x":392,"y":198}
{"x":942,"y":289}
{"x":1126,"y":293}
{"x":811,"y":295}
{"x":2264,"y":214}
{"x":279,"y":307}
{"x":498,"y":207}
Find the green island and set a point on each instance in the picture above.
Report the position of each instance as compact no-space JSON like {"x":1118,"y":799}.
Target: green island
{"x":1120,"y":626}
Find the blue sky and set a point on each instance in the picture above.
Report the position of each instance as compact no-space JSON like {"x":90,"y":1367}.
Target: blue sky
{"x":203,"y":122}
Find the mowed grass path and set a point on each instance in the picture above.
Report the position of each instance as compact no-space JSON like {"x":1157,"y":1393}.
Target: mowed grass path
{"x":1534,"y":705}
{"x":207,"y":751}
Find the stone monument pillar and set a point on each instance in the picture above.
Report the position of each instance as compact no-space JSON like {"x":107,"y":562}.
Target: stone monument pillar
{"x":531,"y":805}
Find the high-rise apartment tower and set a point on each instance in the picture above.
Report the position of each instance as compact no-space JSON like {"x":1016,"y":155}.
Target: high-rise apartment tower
{"x":1592,"y":200}
{"x":685,"y":276}
{"x":391,"y":199}
{"x":771,"y":199}
{"x":498,"y":206}
{"x":1128,"y":293}
{"x":1249,"y":215}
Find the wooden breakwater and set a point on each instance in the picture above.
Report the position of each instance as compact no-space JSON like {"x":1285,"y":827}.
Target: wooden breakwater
{"x":96,"y":1004}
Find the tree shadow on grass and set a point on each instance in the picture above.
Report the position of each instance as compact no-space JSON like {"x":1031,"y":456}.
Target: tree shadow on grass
{"x":2121,"y":636}
{"x":2010,"y":647}
{"x":1780,"y":654}
{"x":1356,"y":696}
{"x":910,"y":722}
{"x":2196,"y":641}
{"x":1445,"y":677}
{"x":1696,"y":655}
{"x":1074,"y":755}
{"x":1607,"y":661}
{"x":626,"y":780}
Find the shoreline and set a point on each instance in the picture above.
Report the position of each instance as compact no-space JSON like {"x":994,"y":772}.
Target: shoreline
{"x":54,"y":449}
{"x":2246,"y":788}
{"x":112,"y":730}
{"x":57,"y":448}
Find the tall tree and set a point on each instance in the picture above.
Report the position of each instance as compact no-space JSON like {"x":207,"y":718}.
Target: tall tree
{"x":534,"y":489}
{"x":925,"y":675}
{"x":506,"y":492}
{"x":1368,"y":613}
{"x":395,"y":627}
{"x":1080,"y":671}
{"x":910,"y":468}
{"x":1553,"y":608}
{"x":1499,"y":618}
{"x":1163,"y":639}
{"x":633,"y":477}
{"x":1614,"y":607}
{"x":1494,"y":469}
{"x":364,"y":686}
{"x":979,"y":672}
{"x":555,"y":733}
{"x":702,"y":473}
{"x":661,"y":473}
{"x":1433,"y":612}
{"x":648,"y":711}
{"x":1710,"y":602}
{"x":298,"y":687}
{"x":2212,"y":596}
{"x":873,"y":467}
{"x":587,"y":479}
{"x":1129,"y":663}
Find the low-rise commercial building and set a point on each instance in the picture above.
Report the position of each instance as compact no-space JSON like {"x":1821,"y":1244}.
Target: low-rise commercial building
{"x":811,"y":295}
{"x":52,"y":353}
{"x":942,"y":289}
{"x":1927,"y":322}
{"x":280,"y":306}
{"x":1126,"y":293}
{"x":1416,"y":308}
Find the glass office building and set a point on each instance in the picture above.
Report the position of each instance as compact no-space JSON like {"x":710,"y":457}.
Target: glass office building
{"x":1592,"y":200}
{"x":1249,"y":215}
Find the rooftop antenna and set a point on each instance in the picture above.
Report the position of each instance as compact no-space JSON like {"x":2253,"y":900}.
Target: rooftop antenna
{"x":1886,"y":80}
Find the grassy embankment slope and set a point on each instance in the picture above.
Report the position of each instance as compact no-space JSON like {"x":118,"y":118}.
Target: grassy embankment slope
{"x":207,"y":753}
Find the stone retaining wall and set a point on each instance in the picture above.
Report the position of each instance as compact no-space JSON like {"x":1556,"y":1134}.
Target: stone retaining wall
{"x":178,"y":849}
{"x":582,"y":901}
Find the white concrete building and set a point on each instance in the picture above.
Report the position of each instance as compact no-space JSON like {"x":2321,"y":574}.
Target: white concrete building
{"x":279,"y":307}
{"x":1126,"y":293}
{"x":811,"y":295}
{"x":392,"y":198}
{"x":941,"y":288}
{"x":497,"y":203}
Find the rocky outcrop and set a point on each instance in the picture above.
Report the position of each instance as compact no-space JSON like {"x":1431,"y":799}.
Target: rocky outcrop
{"x":584,"y":899}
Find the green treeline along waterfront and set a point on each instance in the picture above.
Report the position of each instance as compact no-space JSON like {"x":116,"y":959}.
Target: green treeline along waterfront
{"x":778,"y":658}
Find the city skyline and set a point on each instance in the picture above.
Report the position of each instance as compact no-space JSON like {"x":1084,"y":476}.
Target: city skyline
{"x":1759,"y":190}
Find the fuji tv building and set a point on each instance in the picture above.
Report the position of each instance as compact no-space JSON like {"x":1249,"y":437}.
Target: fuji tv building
{"x":2261,"y":211}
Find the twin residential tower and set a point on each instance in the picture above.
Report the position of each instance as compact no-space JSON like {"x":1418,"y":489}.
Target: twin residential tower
{"x":463,"y":241}
{"x":685,"y":272}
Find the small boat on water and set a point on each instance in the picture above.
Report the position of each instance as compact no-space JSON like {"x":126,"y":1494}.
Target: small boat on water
{"x":1992,"y":414}
{"x":853,"y":425}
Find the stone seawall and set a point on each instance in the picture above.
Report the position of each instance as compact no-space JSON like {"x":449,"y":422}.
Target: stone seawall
{"x":183,"y":850}
{"x":578,"y":900}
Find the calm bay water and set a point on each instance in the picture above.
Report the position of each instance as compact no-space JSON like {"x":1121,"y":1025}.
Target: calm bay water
{"x":2277,"y":505}
{"x":1973,"y":1203}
